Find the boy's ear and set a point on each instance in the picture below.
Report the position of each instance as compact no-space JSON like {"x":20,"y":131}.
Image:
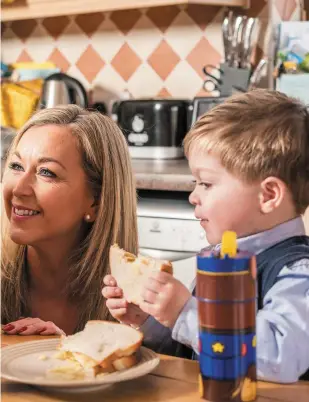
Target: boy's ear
{"x":272,"y":193}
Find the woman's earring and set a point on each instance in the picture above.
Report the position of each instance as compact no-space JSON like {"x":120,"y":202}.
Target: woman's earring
{"x":87,"y":217}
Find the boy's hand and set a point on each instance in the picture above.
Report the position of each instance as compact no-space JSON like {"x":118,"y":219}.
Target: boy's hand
{"x":164,"y":298}
{"x":118,"y":306}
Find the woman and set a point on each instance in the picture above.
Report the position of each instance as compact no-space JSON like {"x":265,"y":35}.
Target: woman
{"x":68,"y":196}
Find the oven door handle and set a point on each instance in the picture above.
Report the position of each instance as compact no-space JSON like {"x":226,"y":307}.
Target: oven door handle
{"x":166,"y":254}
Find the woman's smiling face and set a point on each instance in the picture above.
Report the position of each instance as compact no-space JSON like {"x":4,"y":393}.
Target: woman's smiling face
{"x":46,"y":194}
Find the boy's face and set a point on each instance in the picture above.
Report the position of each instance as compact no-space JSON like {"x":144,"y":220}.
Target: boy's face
{"x":222,"y":201}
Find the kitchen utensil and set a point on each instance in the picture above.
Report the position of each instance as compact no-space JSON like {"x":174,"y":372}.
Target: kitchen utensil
{"x":61,"y":89}
{"x":240,"y":39}
{"x":257,"y":74}
{"x":247,"y":42}
{"x":236,"y":40}
{"x":227,"y":32}
{"x":212,"y":83}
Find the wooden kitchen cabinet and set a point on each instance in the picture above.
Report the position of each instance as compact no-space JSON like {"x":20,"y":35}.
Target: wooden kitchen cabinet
{"x":27,"y":9}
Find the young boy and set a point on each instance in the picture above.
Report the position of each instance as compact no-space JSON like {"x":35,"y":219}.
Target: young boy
{"x":250,"y":159}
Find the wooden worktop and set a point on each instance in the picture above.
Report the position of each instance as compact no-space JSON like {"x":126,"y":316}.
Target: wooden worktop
{"x":175,"y":380}
{"x":171,"y":175}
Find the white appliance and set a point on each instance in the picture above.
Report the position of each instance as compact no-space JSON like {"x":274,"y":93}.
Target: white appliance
{"x":168,"y":230}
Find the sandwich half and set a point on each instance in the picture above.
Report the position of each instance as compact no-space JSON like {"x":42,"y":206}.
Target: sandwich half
{"x":102,"y":347}
{"x":131,"y":272}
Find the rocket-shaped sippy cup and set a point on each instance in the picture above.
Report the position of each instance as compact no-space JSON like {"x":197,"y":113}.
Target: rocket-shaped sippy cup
{"x":226,"y":293}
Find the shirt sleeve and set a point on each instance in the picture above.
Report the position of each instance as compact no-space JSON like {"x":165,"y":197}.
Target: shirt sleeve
{"x":283,"y":326}
{"x":186,"y":327}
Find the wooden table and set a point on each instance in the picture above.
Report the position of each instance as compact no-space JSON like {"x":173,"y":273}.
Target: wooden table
{"x":174,"y":380}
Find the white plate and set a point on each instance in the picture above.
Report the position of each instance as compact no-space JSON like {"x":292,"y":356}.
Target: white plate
{"x":21,"y":363}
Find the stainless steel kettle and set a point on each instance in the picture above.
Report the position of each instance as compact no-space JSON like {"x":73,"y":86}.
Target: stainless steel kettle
{"x":61,"y":89}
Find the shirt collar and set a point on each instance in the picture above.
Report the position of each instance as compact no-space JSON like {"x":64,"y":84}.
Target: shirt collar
{"x":258,"y":242}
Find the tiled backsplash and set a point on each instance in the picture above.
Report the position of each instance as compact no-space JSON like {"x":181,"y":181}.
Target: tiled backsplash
{"x":149,"y":52}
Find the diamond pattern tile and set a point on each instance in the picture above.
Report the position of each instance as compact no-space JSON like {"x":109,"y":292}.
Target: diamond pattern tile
{"x":256,"y":7}
{"x":90,"y":70}
{"x":183,"y":34}
{"x":11,"y":46}
{"x":125,"y":19}
{"x":144,"y":83}
{"x":40,"y":45}
{"x":73,"y":42}
{"x":163,"y":93}
{"x":125,"y":62}
{"x":24,"y":57}
{"x":144,"y":38}
{"x":107,"y":40}
{"x":184,"y":82}
{"x":59,"y":60}
{"x":202,"y":54}
{"x":285,"y":8}
{"x":163,"y":17}
{"x":202,"y":15}
{"x":107,"y":83}
{"x":23,"y":29}
{"x":74,"y":71}
{"x":213,"y":33}
{"x":163,"y":60}
{"x":158,"y":51}
{"x":55,"y":25}
{"x":89,"y":23}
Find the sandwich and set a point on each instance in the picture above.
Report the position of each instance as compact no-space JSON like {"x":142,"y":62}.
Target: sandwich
{"x":102,"y":347}
{"x":131,"y":272}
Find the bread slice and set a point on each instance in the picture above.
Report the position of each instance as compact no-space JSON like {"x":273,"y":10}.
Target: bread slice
{"x":131,"y":272}
{"x":102,"y":346}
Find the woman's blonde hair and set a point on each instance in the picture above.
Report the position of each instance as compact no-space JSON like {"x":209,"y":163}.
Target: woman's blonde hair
{"x":258,"y":134}
{"x":108,"y":169}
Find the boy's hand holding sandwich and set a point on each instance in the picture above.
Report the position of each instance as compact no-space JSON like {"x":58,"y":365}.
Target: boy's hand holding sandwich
{"x":119,"y":307}
{"x":146,"y":287}
{"x":164,"y":298}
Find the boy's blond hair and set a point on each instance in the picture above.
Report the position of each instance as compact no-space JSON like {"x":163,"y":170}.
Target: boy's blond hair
{"x":258,"y":134}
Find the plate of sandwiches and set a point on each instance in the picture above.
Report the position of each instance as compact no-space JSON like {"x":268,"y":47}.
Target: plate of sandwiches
{"x":103,"y":353}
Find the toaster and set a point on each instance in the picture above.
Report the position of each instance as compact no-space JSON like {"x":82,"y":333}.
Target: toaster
{"x":153,"y":128}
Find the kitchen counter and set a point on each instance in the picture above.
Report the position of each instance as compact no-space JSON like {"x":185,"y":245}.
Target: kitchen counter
{"x":174,"y":380}
{"x":172,"y":175}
